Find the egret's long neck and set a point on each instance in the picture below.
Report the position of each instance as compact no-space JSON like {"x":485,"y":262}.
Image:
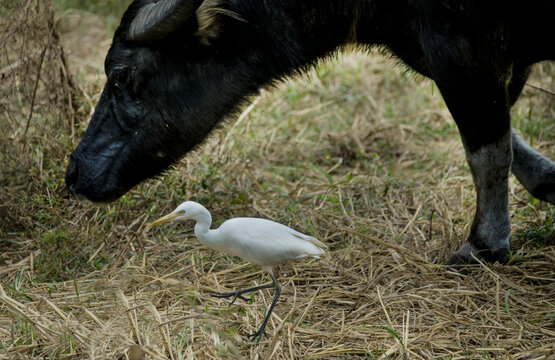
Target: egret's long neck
{"x":202,"y":227}
{"x":206,"y":236}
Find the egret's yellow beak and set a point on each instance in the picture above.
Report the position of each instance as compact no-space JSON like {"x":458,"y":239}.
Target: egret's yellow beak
{"x":165,"y":219}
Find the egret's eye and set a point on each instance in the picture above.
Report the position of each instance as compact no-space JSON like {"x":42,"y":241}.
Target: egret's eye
{"x":180,"y":212}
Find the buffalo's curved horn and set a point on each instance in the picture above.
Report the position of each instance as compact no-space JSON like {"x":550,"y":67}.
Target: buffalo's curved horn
{"x":155,"y":21}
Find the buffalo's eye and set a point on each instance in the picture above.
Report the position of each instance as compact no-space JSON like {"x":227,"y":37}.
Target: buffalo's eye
{"x":119,"y":77}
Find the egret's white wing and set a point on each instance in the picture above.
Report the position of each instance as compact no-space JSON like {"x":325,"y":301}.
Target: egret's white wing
{"x":265,"y":242}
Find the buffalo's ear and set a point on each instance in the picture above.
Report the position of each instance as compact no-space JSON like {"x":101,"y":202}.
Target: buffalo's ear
{"x":209,"y":19}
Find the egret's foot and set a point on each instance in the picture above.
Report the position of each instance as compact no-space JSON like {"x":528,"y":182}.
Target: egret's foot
{"x":257,"y":335}
{"x":239,"y":293}
{"x":235,"y":294}
{"x":469,"y":255}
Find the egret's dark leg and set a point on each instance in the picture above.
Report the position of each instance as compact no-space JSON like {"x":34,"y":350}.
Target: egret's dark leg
{"x":239,"y":293}
{"x":258,"y":335}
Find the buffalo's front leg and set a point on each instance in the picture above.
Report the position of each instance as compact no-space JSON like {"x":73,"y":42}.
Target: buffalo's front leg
{"x":481,"y":110}
{"x":490,"y":233}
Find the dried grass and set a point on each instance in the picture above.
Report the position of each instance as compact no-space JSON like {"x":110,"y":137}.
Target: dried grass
{"x":376,"y":300}
{"x":357,"y":154}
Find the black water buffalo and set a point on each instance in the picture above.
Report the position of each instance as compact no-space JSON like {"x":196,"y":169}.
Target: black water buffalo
{"x":177,"y":68}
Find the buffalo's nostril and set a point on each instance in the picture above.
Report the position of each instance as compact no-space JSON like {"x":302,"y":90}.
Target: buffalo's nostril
{"x":72,"y":175}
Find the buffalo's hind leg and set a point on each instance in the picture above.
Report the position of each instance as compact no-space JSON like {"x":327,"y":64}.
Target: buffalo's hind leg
{"x":534,"y":171}
{"x":479,"y":104}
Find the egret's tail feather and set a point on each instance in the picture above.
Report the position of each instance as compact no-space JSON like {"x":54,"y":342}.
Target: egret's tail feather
{"x":312,"y":240}
{"x":318,"y":243}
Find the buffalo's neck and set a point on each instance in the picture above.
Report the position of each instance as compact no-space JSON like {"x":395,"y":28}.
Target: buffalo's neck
{"x":289,"y":36}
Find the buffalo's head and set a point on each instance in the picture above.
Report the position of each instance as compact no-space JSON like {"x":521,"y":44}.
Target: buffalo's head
{"x":172,"y":75}
{"x":177,"y":67}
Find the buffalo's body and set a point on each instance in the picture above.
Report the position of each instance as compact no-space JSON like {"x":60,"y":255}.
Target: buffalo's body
{"x":174,"y":74}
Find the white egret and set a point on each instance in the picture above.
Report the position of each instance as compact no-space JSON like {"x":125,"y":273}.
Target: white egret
{"x":258,"y":241}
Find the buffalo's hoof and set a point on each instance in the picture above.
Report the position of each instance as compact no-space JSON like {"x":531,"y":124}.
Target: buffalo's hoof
{"x":468,"y":255}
